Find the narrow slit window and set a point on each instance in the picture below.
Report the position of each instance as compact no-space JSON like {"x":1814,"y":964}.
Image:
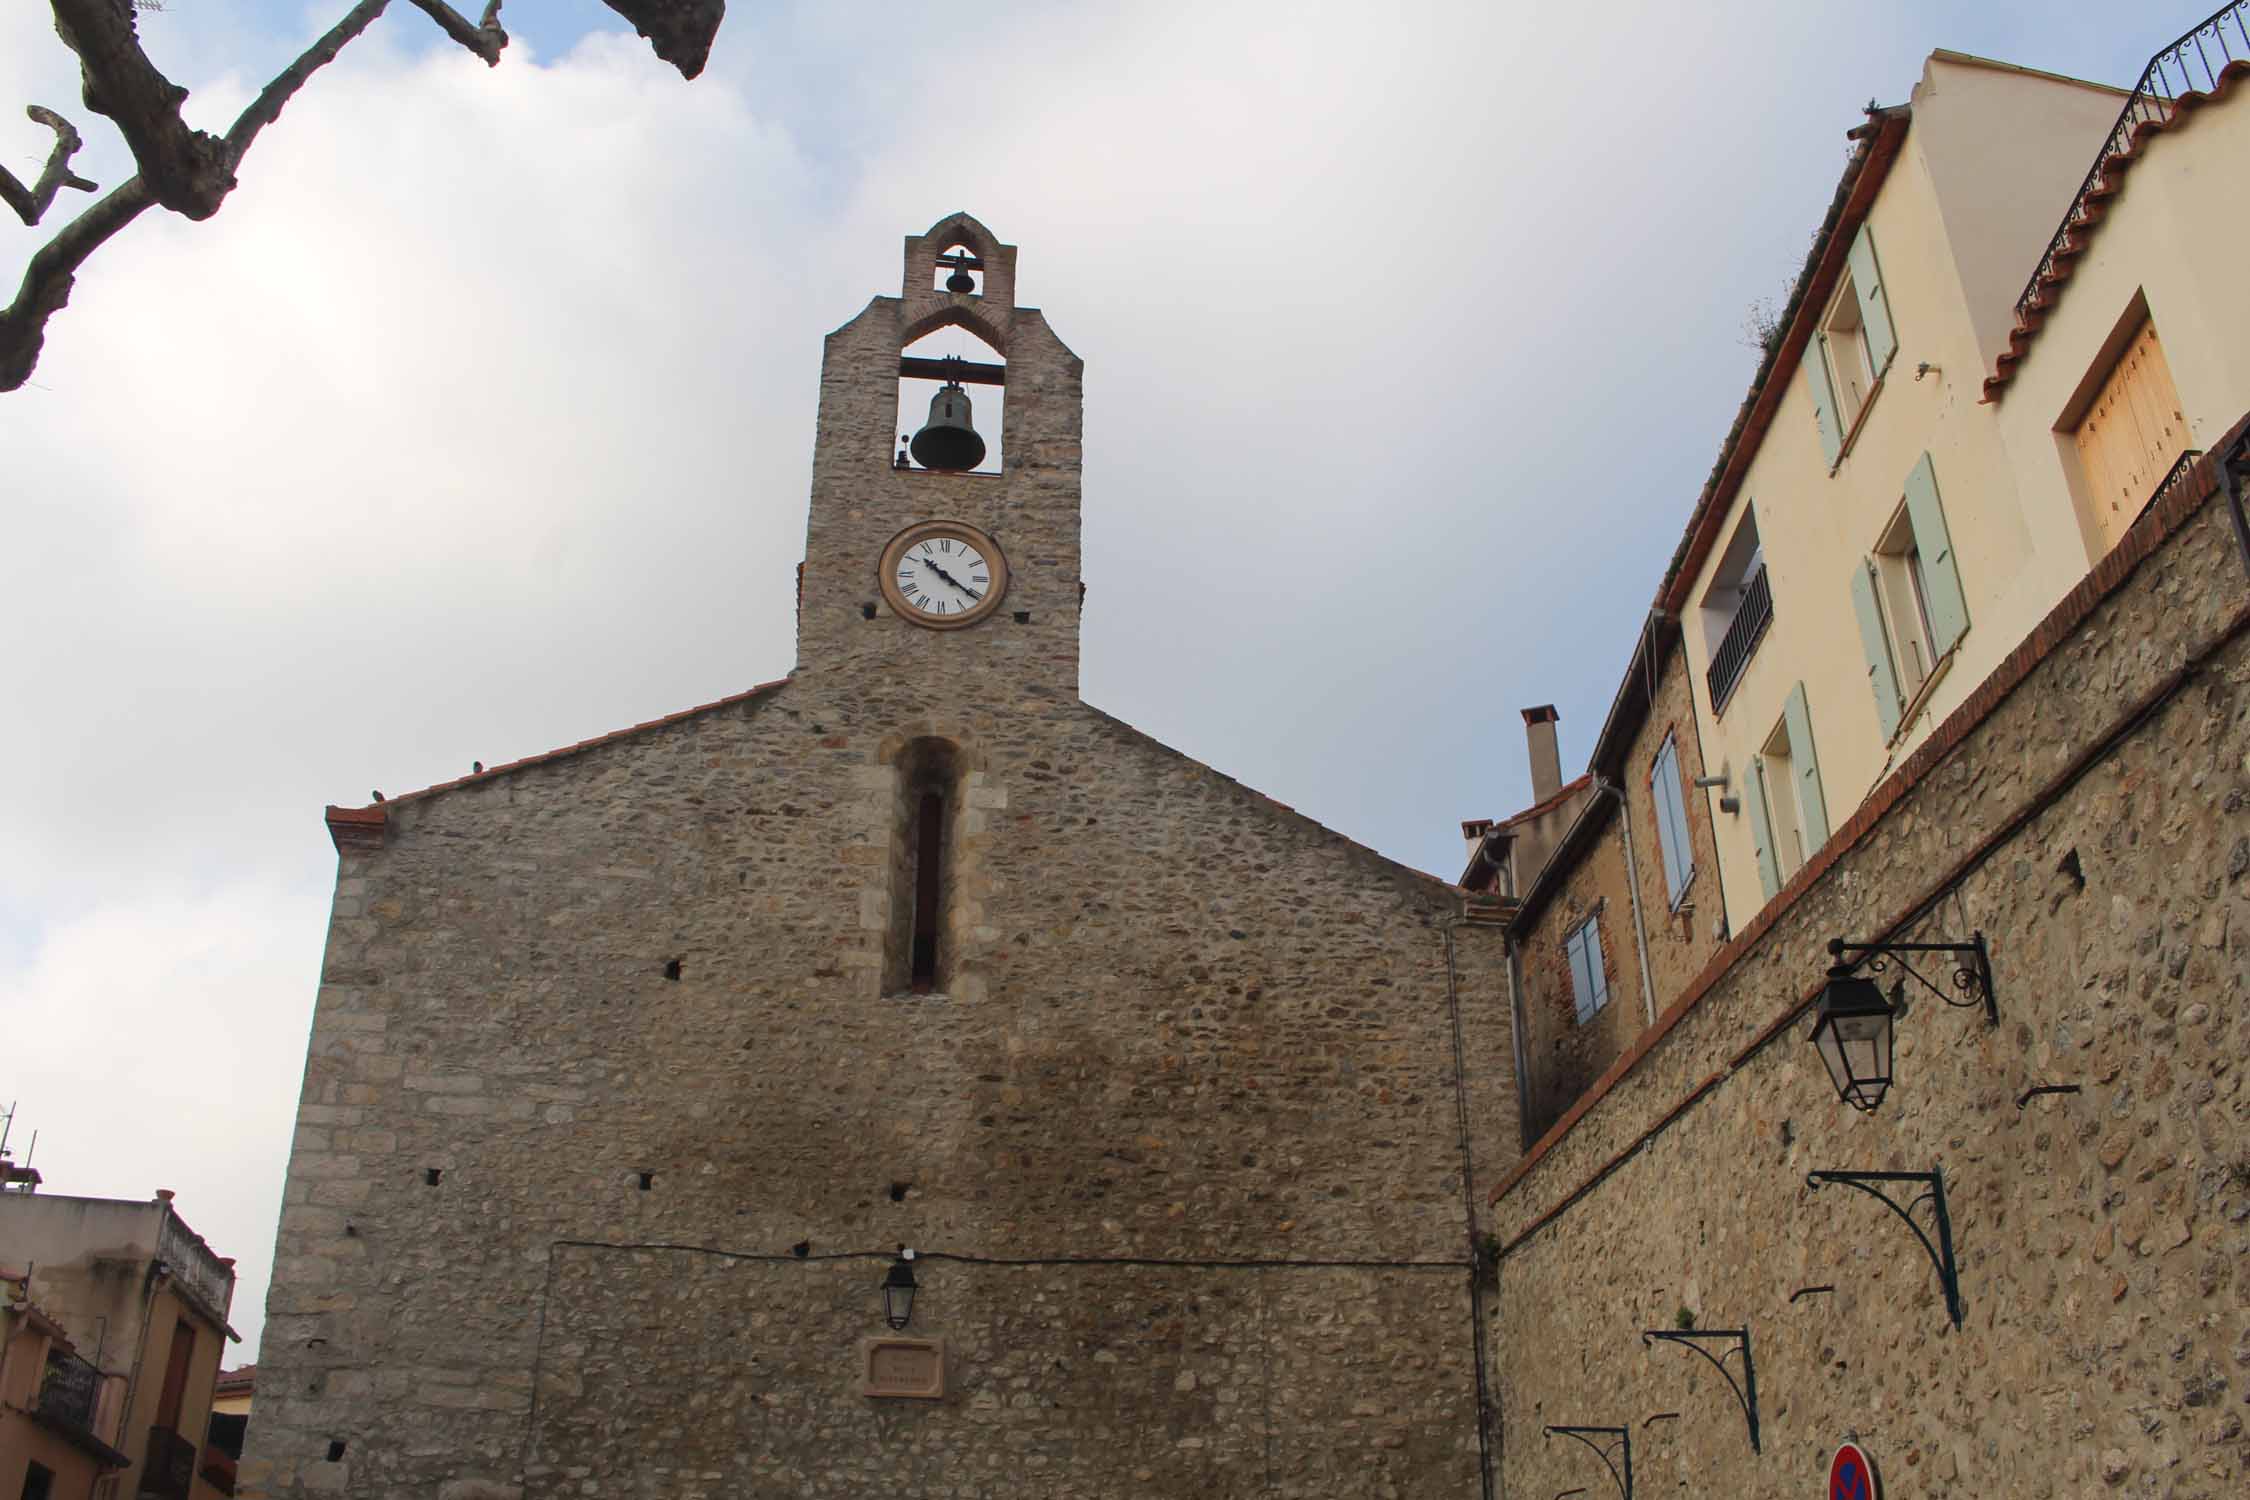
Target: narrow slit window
{"x":925,"y":869}
{"x":929,"y":849}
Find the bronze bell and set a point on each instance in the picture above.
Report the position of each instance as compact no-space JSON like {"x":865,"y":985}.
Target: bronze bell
{"x":948,"y":440}
{"x":960,"y":281}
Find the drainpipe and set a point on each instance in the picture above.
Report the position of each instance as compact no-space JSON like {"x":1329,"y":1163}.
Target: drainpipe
{"x":1633,"y":889}
{"x":1515,"y":1035}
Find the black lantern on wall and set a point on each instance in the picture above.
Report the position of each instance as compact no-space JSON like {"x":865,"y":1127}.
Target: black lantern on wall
{"x":1853,"y":1032}
{"x":1853,"y":1025}
{"x":898,"y":1291}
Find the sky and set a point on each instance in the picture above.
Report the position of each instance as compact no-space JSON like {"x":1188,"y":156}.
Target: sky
{"x":479,"y":421}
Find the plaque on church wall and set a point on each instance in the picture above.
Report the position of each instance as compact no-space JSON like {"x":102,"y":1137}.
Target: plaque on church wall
{"x":911,"y":1369}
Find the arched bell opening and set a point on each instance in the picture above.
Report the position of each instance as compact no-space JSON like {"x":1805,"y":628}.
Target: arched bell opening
{"x":952,"y":403}
{"x":960,"y":270}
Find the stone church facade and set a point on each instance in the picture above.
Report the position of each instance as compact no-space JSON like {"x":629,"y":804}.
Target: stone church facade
{"x":635,"y":1065}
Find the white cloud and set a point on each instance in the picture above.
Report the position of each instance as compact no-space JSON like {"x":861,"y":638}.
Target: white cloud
{"x":144,"y":1043}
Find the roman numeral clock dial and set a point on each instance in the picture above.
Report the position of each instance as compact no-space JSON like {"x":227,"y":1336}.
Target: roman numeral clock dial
{"x":943,"y":574}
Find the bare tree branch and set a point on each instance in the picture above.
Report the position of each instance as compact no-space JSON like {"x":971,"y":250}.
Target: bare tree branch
{"x":186,"y":170}
{"x":48,"y":279}
{"x":31,"y":203}
{"x":191,"y":171}
{"x":679,"y":31}
{"x":266,"y":108}
{"x":485,"y":38}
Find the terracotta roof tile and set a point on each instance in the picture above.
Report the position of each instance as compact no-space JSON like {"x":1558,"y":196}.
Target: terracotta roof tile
{"x":2047,"y":290}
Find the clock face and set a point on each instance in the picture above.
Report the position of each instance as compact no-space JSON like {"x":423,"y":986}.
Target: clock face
{"x":943,"y":574}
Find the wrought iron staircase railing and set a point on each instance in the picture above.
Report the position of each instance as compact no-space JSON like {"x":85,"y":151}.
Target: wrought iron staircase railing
{"x":2201,"y":54}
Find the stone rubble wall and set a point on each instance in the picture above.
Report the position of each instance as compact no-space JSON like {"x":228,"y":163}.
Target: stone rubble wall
{"x":2103,"y":1237}
{"x":1187,"y":1025}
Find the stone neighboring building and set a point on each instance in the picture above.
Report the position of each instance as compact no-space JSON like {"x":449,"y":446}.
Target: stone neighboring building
{"x":1618,"y":905}
{"x":116,"y":1320}
{"x":635,"y":1065}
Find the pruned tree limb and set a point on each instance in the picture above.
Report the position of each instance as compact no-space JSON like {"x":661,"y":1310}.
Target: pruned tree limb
{"x":679,"y":31}
{"x":191,"y":171}
{"x":48,"y":279}
{"x":31,"y":203}
{"x":485,"y":38}
{"x":186,"y":170}
{"x":266,"y":108}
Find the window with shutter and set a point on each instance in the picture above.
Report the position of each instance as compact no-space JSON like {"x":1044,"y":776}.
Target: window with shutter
{"x":1671,"y":820}
{"x":1589,"y":982}
{"x":1936,"y":579}
{"x":1853,"y":349}
{"x":2131,"y":435}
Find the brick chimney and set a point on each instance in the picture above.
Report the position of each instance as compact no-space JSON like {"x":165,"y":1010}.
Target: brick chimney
{"x":1546,"y":758}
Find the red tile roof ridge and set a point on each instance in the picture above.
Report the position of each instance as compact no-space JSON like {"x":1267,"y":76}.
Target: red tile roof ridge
{"x":374,"y":814}
{"x":1562,"y":794}
{"x":2048,"y":290}
{"x":1869,"y":166}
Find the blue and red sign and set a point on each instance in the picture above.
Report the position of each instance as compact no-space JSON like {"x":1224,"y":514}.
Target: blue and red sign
{"x":1851,"y":1475}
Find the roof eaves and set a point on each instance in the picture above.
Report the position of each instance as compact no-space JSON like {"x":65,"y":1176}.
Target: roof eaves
{"x":364,"y":827}
{"x":1577,"y":841}
{"x":2107,"y":184}
{"x":1863,"y":177}
{"x":1629,"y":709}
{"x":1994,"y":64}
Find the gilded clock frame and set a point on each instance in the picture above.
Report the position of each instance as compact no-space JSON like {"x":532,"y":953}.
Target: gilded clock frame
{"x":886,"y":574}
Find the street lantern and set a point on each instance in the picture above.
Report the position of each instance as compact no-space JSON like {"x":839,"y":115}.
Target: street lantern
{"x":1852,"y":1029}
{"x":898,"y":1291}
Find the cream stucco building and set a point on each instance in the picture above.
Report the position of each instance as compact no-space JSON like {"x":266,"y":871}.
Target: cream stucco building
{"x":1893,"y":513}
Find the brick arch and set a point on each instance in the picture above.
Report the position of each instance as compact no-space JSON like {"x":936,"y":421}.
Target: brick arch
{"x":962,"y":229}
{"x":970,"y":318}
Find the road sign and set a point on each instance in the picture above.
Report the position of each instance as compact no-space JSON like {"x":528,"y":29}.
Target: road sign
{"x":1851,"y":1475}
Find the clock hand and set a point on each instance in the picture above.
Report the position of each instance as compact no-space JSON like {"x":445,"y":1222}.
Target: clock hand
{"x":949,"y":578}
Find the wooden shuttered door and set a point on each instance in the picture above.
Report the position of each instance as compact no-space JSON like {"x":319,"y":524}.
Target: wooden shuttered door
{"x":2131,"y":435}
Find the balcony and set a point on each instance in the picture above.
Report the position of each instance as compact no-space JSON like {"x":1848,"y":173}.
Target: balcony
{"x":1751,"y":617}
{"x":194,"y":1268}
{"x":168,"y":1471}
{"x":70,"y":1392}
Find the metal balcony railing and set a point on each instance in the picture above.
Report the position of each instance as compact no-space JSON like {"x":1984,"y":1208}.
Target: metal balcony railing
{"x":71,"y":1391}
{"x":1751,"y":617}
{"x":2190,"y":65}
{"x":168,"y":1471}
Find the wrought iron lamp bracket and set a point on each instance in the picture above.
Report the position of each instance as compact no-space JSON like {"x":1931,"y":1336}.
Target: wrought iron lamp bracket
{"x":1972,"y":968}
{"x":1933,"y":1193}
{"x":1746,"y":1391}
{"x":1622,"y":1444}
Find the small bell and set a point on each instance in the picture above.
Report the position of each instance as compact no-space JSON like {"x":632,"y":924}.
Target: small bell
{"x":948,"y":440}
{"x":960,"y":281}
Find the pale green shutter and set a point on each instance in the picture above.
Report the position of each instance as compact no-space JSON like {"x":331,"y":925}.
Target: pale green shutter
{"x":1874,"y":306}
{"x":1594,"y":964}
{"x":1941,"y":571}
{"x":1810,"y":803}
{"x":1882,"y":675}
{"x":1824,"y":400}
{"x":1761,"y":827}
{"x":1664,"y":781}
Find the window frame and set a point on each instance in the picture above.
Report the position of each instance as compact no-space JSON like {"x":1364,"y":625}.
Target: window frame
{"x":1585,"y":938}
{"x":1785,"y":820}
{"x":1672,"y":823}
{"x":1844,"y":322}
{"x":1900,"y":580}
